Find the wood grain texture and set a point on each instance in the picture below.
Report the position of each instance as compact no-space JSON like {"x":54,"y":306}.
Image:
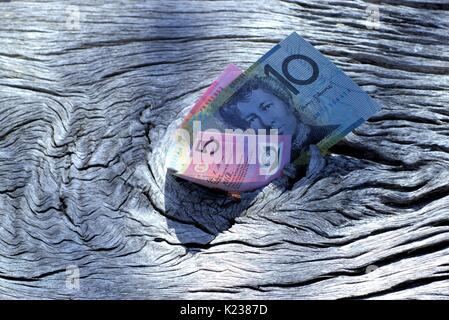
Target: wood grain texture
{"x":84,"y":117}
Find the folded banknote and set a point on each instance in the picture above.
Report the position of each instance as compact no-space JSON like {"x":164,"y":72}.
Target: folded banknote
{"x":248,"y":125}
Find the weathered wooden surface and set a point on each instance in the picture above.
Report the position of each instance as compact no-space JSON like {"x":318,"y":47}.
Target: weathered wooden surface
{"x":83,"y":118}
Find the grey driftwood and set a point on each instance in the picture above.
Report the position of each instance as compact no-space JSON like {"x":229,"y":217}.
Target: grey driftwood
{"x":85,"y":111}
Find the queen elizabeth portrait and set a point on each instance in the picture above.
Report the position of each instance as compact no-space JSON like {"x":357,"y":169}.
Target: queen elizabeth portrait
{"x":262,"y":103}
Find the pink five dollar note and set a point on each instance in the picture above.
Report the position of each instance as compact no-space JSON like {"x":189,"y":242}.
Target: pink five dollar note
{"x":232,"y":160}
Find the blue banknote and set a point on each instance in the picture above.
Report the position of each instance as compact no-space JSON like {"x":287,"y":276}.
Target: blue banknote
{"x":298,"y":91}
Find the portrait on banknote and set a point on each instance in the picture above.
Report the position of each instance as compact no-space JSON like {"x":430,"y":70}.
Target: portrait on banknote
{"x":263,"y":103}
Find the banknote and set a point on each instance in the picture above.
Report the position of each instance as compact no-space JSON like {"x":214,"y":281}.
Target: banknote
{"x":293,"y":95}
